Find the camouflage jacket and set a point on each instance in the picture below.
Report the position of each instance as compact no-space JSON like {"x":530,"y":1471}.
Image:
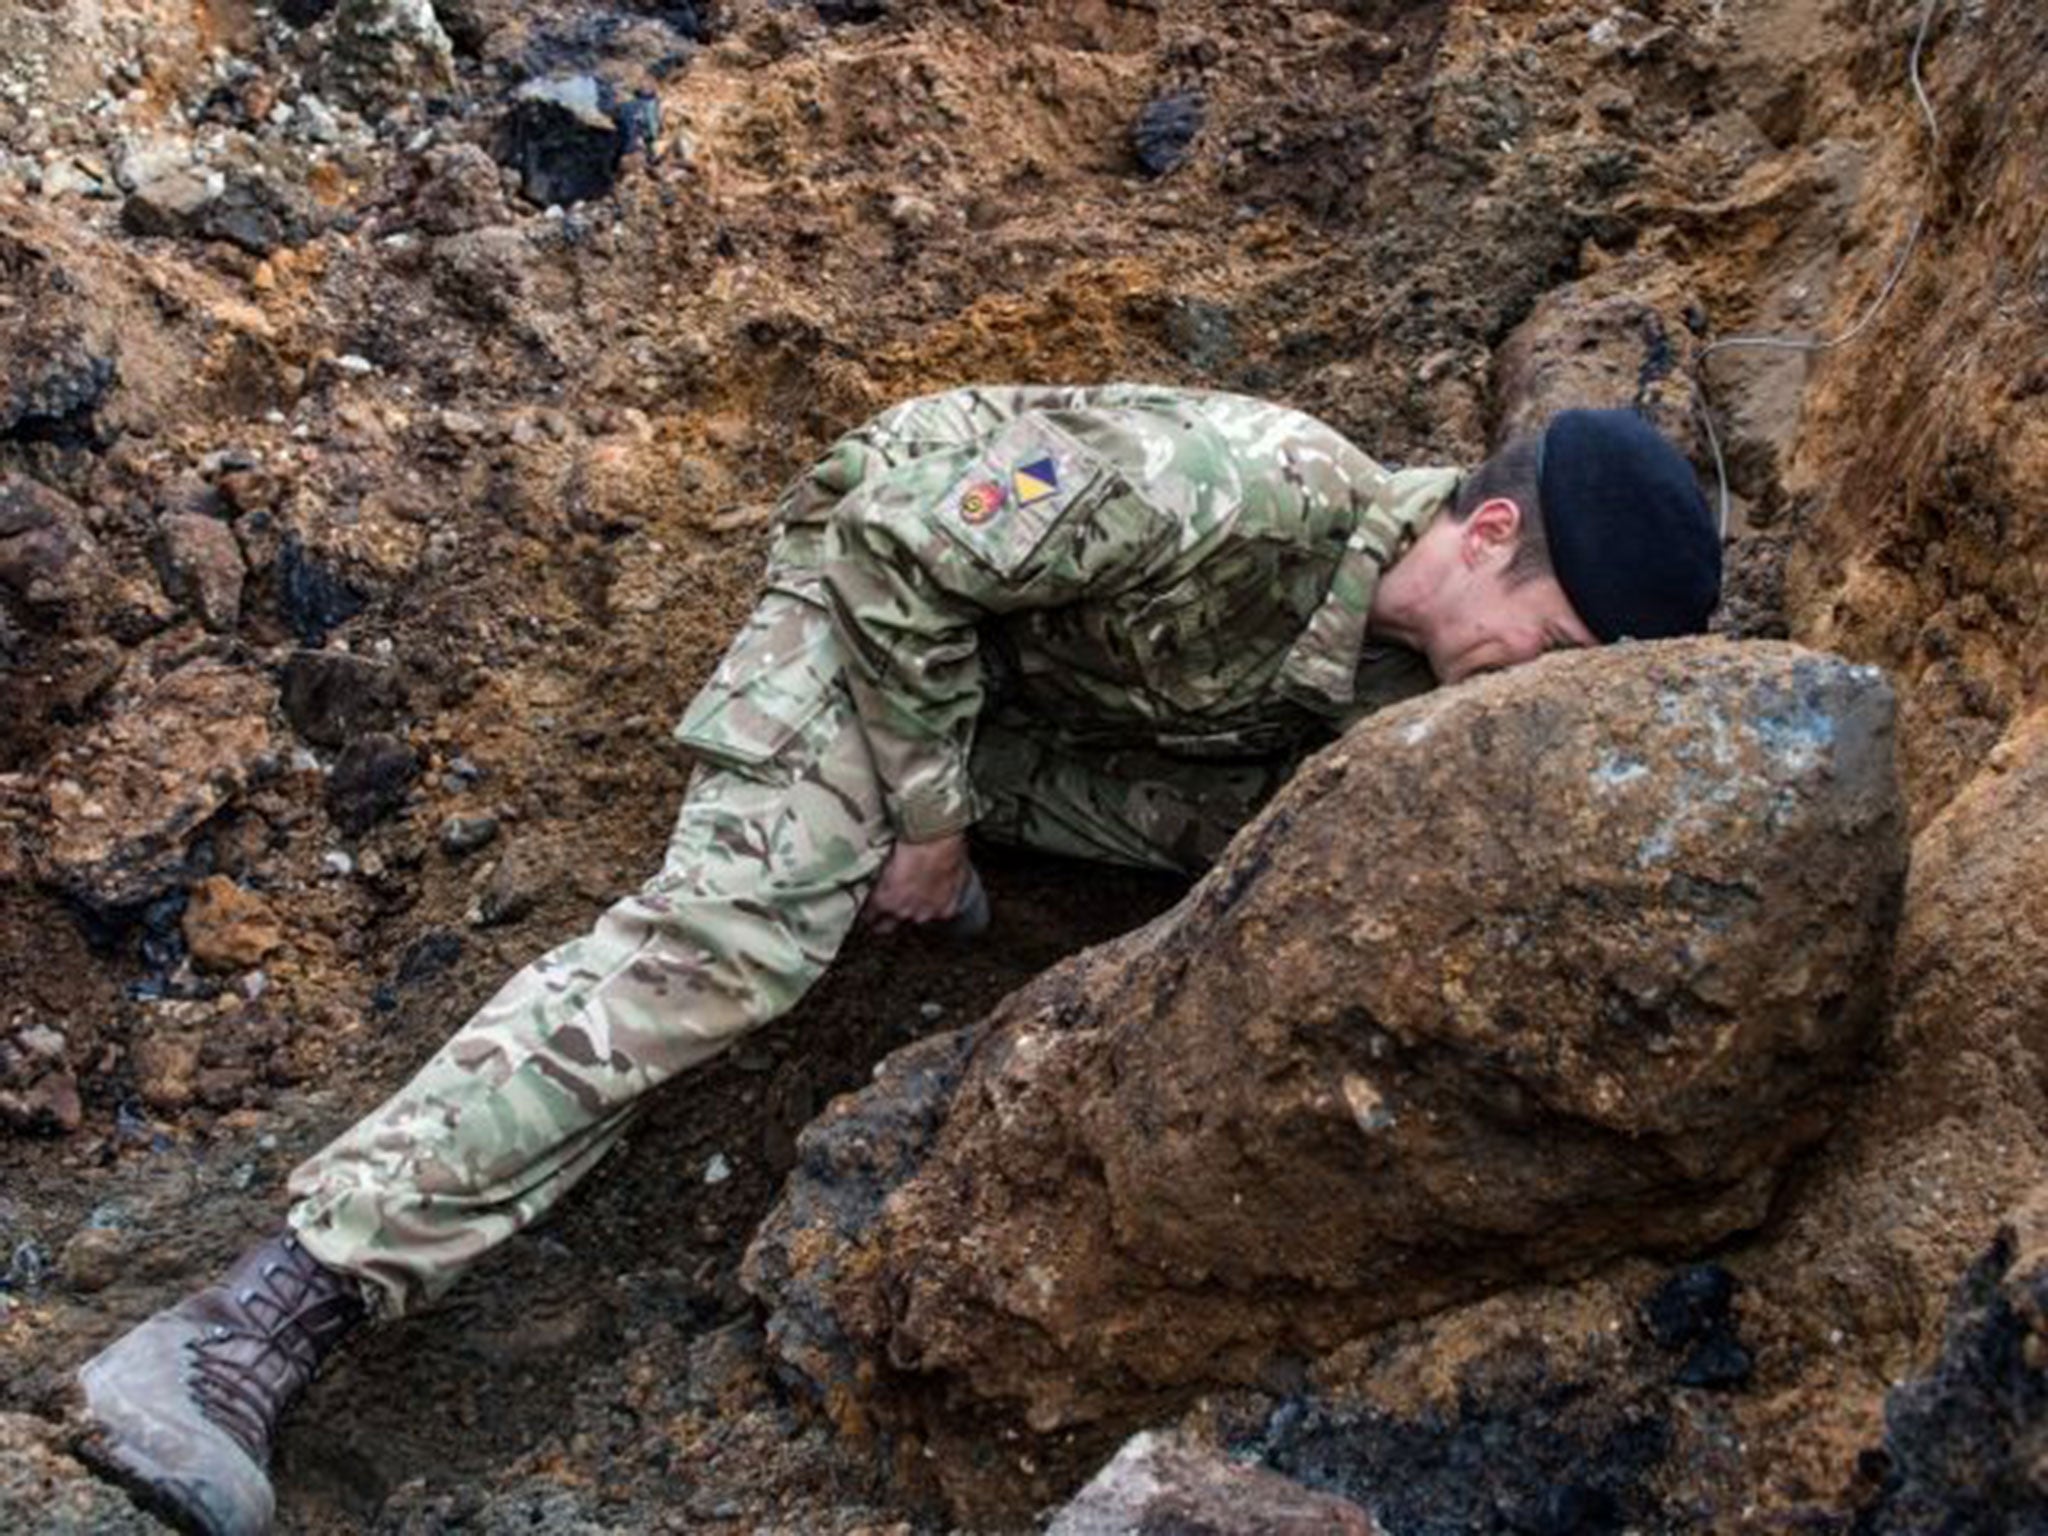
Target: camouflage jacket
{"x":1130,"y":564}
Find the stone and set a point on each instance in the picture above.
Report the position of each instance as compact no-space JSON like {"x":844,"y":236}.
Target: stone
{"x":256,"y":214}
{"x":172,"y":205}
{"x":63,"y":176}
{"x":228,"y":928}
{"x":1971,"y":963}
{"x":331,"y":697}
{"x":513,"y":890}
{"x":1160,"y":1483}
{"x":49,"y":558}
{"x":165,"y":1061}
{"x":460,"y":190}
{"x":1693,"y":1312}
{"x":1165,"y":131}
{"x":315,"y":120}
{"x":44,"y":1488}
{"x":381,"y":50}
{"x":1561,"y":964}
{"x":55,"y":367}
{"x":150,"y":157}
{"x":562,"y":138}
{"x":428,"y":956}
{"x":27,"y":505}
{"x":201,"y":568}
{"x":370,"y":781}
{"x":466,"y":834}
{"x":312,"y":597}
{"x":141,"y":784}
{"x":50,"y":1105}
{"x":92,"y":1259}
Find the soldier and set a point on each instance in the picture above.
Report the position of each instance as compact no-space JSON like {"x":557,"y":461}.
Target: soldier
{"x":1105,"y":622}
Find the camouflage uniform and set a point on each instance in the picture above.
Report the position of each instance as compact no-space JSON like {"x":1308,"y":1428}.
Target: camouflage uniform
{"x":1105,"y":622}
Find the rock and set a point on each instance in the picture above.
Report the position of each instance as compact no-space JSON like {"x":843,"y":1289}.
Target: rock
{"x":1690,"y":1305}
{"x":470,"y":23}
{"x":93,"y":1259}
{"x":1962,"y":1443}
{"x":1597,"y":342}
{"x":151,"y":158}
{"x":315,"y":120}
{"x":47,"y":1106}
{"x":56,"y":403}
{"x":55,"y":372}
{"x":172,"y":205}
{"x":1559,"y":964}
{"x":383,"y":49}
{"x":243,"y":208}
{"x":330,"y":697}
{"x":141,"y":784}
{"x":461,"y":190}
{"x":63,"y":176}
{"x":200,"y":565}
{"x":1965,"y":1018}
{"x":43,"y":1488}
{"x":48,"y":559}
{"x":1693,"y":1311}
{"x":561,"y":136}
{"x":466,"y":834}
{"x":27,"y":505}
{"x":256,"y":214}
{"x":428,"y":956}
{"x":312,"y":598}
{"x":1165,"y":130}
{"x":369,"y":781}
{"x":305,"y":13}
{"x":513,"y":890}
{"x":1534,"y":1411}
{"x":1157,"y":1483}
{"x":228,"y":928}
{"x":165,"y":1061}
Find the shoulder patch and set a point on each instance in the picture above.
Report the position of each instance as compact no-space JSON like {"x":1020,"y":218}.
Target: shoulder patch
{"x":1026,"y":480}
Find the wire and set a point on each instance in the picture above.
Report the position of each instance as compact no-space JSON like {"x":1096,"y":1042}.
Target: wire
{"x":1811,"y":344}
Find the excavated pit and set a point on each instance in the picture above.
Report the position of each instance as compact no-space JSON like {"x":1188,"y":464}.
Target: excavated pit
{"x":502,"y":468}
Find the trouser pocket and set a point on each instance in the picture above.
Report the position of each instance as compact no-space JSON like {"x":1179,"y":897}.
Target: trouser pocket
{"x":782,"y":669}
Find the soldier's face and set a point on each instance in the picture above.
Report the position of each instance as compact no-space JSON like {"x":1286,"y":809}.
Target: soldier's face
{"x":1500,"y":624}
{"x":1487,"y":619}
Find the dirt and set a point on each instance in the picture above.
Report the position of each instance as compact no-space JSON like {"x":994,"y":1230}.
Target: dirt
{"x":516,"y":462}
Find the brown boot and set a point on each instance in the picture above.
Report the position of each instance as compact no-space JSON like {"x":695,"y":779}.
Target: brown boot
{"x":184,"y":1406}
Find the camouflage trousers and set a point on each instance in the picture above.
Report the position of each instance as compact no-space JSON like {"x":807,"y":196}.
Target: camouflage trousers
{"x":773,"y":854}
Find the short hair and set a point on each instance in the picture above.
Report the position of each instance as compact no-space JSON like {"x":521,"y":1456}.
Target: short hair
{"x":1515,"y":474}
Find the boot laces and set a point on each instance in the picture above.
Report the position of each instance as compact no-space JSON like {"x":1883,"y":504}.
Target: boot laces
{"x":247,"y":1373}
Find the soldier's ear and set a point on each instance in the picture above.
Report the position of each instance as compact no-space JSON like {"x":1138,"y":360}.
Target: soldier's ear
{"x":1491,"y":532}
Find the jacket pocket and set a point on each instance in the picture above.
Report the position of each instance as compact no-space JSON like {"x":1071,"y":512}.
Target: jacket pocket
{"x":781,"y":671}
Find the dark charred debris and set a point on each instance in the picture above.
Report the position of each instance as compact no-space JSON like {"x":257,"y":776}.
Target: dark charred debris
{"x":1164,"y":134}
{"x":1963,"y":1449}
{"x":568,"y":136}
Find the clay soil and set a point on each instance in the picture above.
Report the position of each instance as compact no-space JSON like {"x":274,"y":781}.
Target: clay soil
{"x":520,"y":459}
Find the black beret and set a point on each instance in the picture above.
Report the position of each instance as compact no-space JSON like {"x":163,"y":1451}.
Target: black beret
{"x":1631,"y":539}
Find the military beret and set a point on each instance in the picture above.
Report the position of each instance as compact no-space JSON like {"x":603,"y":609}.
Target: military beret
{"x":1631,"y":539}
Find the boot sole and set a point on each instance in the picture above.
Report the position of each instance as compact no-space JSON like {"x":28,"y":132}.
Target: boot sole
{"x":146,"y":1485}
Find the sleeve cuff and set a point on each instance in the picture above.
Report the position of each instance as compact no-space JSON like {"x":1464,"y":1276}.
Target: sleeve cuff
{"x":932,"y":811}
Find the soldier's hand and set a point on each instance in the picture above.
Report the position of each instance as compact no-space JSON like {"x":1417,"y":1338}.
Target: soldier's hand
{"x":921,"y":883}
